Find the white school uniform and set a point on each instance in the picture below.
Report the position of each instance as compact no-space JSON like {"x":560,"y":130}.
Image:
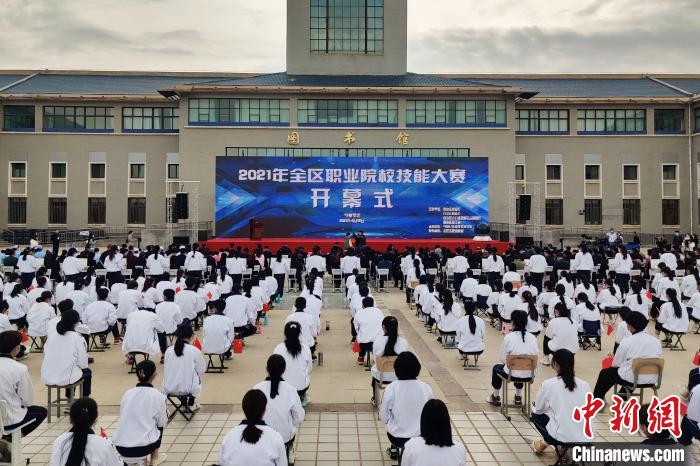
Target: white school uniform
{"x":513,"y":344}
{"x":27,"y":264}
{"x":570,"y":305}
{"x":268,"y":451}
{"x":33,"y":294}
{"x":638,"y":345}
{"x":368,"y":324}
{"x":460,"y":264}
{"x":5,"y":324}
{"x":664,"y":284}
{"x":468,"y":288}
{"x":449,"y":322}
{"x":491,"y":265}
{"x":16,"y":389}
{"x":694,"y":305}
{"x":532,"y":326}
{"x":694,"y":404}
{"x":189,"y":302}
{"x":163,"y":285}
{"x":18,"y":306}
{"x":115,"y":264}
{"x":72,"y":266}
{"x":156,"y":264}
{"x":170,"y":316}
{"x":531,"y":288}
{"x":65,"y":357}
{"x":468,"y":342}
{"x":80,"y":301}
{"x":356,"y":303}
{"x":606,"y":299}
{"x":632,"y":302}
{"x":621,"y":264}
{"x":114,"y":292}
{"x":317,"y":262}
{"x":298,"y":369}
{"x":513,"y":277}
{"x":218,"y":334}
{"x":38,"y":318}
{"x":507,"y":304}
{"x":141,"y":336}
{"x":568,"y":287}
{"x":667,"y":318}
{"x":239,"y":310}
{"x":284,"y":412}
{"x":225,"y":284}
{"x":150,"y":298}
{"x":563,"y":334}
{"x":590,"y":292}
{"x":307,"y":324}
{"x":585,"y":314}
{"x":556,"y":401}
{"x":417,"y":453}
{"x":98,"y":451}
{"x":99,"y":316}
{"x":129,"y":301}
{"x":378,"y":349}
{"x":670,"y":260}
{"x":182,"y":374}
{"x":313,"y":308}
{"x":279,"y":268}
{"x":402,"y":405}
{"x":583,"y":262}
{"x":621,"y":331}
{"x":142,"y":412}
{"x":688,"y":285}
{"x":195,"y":262}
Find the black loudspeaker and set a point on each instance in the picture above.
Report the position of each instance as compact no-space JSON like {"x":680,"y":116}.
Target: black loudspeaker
{"x":522,"y":242}
{"x":181,"y":207}
{"x":503,"y":236}
{"x":524,"y":208}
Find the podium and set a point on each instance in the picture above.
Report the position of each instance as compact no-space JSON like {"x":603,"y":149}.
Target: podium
{"x":256,"y":229}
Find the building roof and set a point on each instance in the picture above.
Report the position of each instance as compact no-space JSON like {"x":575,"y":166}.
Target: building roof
{"x":691,"y":85}
{"x":8,"y":79}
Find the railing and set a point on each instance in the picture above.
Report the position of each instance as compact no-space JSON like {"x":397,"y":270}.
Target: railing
{"x":555,"y":235}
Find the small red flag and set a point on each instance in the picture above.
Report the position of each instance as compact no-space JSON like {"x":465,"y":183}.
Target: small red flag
{"x":209,"y":295}
{"x":607,"y":362}
{"x":610,"y":329}
{"x":356,"y":347}
{"x":197,"y":344}
{"x":177,"y":290}
{"x":103,"y":432}
{"x":696,"y":359}
{"x":649,"y":294}
{"x":25,"y":337}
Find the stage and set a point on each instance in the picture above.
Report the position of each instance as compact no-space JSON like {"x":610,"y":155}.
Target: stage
{"x":379,"y":244}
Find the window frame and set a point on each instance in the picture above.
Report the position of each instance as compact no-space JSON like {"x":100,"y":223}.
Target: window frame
{"x":636,"y":181}
{"x":103,"y":200}
{"x":547,"y":208}
{"x":128,"y":209}
{"x":671,"y":131}
{"x":552,"y":181}
{"x":174,"y":119}
{"x":665,"y":211}
{"x":593,"y":183}
{"x":384,"y":110}
{"x":324,"y":29}
{"x":638,"y":206}
{"x":12,"y":178}
{"x":23,"y":129}
{"x":84,"y":112}
{"x":675,"y":181}
{"x":243,"y":108}
{"x":62,"y":199}
{"x":589,"y":219}
{"x":464,"y":113}
{"x":538,"y":119}
{"x":21,"y":199}
{"x":606,"y":119}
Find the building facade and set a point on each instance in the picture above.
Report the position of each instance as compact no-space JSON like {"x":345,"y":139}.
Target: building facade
{"x":94,"y":149}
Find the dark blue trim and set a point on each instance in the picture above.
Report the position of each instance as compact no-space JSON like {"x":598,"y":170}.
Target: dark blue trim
{"x":609,"y":133}
{"x":222,"y":123}
{"x":351,"y":125}
{"x":669,"y":132}
{"x":448,"y":125}
{"x":77,"y":130}
{"x":19,"y":130}
{"x":159,"y":131}
{"x":542,"y":133}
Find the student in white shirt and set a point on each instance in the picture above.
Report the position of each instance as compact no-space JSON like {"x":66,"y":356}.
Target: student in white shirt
{"x":240,"y":310}
{"x":368,"y":325}
{"x":622,"y":331}
{"x":507,"y":303}
{"x":537,"y":267}
{"x":447,"y":315}
{"x":562,"y":332}
{"x":583,"y":263}
{"x":184,"y":366}
{"x":551,"y":411}
{"x":101,"y":317}
{"x":16,"y":387}
{"x":142,"y":417}
{"x":689,"y":284}
{"x":306,"y":322}
{"x":39,"y":316}
{"x":638,"y":345}
{"x":129,"y":301}
{"x":280,"y":270}
{"x":71,"y":266}
{"x":672,"y":317}
{"x":253,"y":443}
{"x":637,"y":299}
{"x":587,"y":318}
{"x":517,"y":342}
{"x":218,"y":330}
{"x":609,"y":298}
{"x":471,"y":331}
{"x":26,"y":266}
{"x":585,"y":286}
{"x":493,"y":265}
{"x":189,"y":301}
{"x":693,"y":306}
{"x":483,"y":291}
{"x":79,"y":297}
{"x":194,"y":262}
{"x":534,"y":323}
{"x":80,"y":445}
{"x":669,"y":258}
{"x":297,"y":357}
{"x":5,"y":324}
{"x":18,"y":307}
{"x":413,"y":275}
{"x":142,"y":334}
{"x":528,"y":286}
{"x":149,"y":294}
{"x":403,"y":401}
{"x":65,"y":355}
{"x":284,"y":412}
{"x":435,"y":445}
{"x":567,"y":281}
{"x":460,"y":266}
{"x":468,"y":288}
{"x":169,"y":312}
{"x":113,"y":266}
{"x":622,"y":265}
{"x":224,"y":282}
{"x":157,"y":264}
{"x":512,"y":275}
{"x":388,"y":344}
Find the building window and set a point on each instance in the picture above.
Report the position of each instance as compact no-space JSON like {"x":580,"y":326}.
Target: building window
{"x":612,"y":121}
{"x":670,"y":212}
{"x":173,"y":171}
{"x":347,"y":26}
{"x":592,"y":185}
{"x":520,"y":173}
{"x":97,"y":210}
{"x":697,"y":120}
{"x":58,"y":207}
{"x":17,"y":179}
{"x":669,"y":121}
{"x":58,"y":170}
{"x":553,"y":186}
{"x":137,"y":170}
{"x":554,"y":211}
{"x":669,"y":181}
{"x":458,"y":113}
{"x":16,"y":210}
{"x":543,"y":121}
{"x":18,"y":118}
{"x":150,"y":119}
{"x":78,"y":119}
{"x":348,"y":112}
{"x":136,"y":212}
{"x":345,"y":152}
{"x":553,"y":172}
{"x":631,"y":212}
{"x":239,"y":112}
{"x":18,"y":170}
{"x":97,"y":170}
{"x":593,"y":211}
{"x":630,"y":181}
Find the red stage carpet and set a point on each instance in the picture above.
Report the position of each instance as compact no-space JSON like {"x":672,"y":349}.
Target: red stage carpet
{"x":274,"y":244}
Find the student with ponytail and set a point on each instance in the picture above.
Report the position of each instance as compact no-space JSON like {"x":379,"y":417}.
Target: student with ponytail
{"x":297,"y":357}
{"x":690,"y":282}
{"x":470,"y":332}
{"x":184,"y":367}
{"x":18,"y":306}
{"x":562,"y":333}
{"x":448,"y":315}
{"x":80,"y":445}
{"x":26,"y":266}
{"x":534,"y":323}
{"x":65,"y":355}
{"x":585,"y":286}
{"x":622,"y":265}
{"x":142,"y":417}
{"x":253,"y":442}
{"x":672,"y":317}
{"x":387,"y":344}
{"x":435,"y":444}
{"x":551,"y":411}
{"x":507,"y":303}
{"x":284,"y":412}
{"x":637,"y":299}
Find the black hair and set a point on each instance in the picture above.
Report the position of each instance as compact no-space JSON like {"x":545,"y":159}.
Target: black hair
{"x":16,"y":290}
{"x":391,"y":331}
{"x":531,"y":308}
{"x":9,"y":340}
{"x":564,"y":359}
{"x":254,"y":404}
{"x":435,"y":425}
{"x":407,"y":366}
{"x":83,"y":414}
{"x":276,"y":366}
{"x":673,"y":299}
{"x":132,"y":284}
{"x":416,"y":266}
{"x":611,"y":286}
{"x":430,"y":281}
{"x":40,"y":281}
{"x":25,"y":253}
{"x":483,"y":279}
{"x":69,"y":319}
{"x":586,"y":282}
{"x":519,"y":320}
{"x":447,"y":301}
{"x":637,"y":289}
{"x":65,"y":305}
{"x":583,"y":298}
{"x":363,"y":289}
{"x":292,"y":331}
{"x":508,"y":288}
{"x":184,"y":331}
{"x":469,"y":309}
{"x":567,"y":276}
{"x":145,"y":370}
{"x":563,"y":311}
{"x":367,"y":301}
{"x":637,"y":321}
{"x":300,"y":304}
{"x":45,"y":295}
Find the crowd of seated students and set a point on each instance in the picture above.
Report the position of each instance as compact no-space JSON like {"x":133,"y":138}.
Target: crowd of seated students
{"x":564,"y":294}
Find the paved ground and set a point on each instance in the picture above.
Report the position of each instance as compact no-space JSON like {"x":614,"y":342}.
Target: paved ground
{"x":341,"y":427}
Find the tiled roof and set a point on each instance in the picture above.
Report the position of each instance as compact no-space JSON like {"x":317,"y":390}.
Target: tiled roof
{"x":589,"y":87}
{"x":7,"y":79}
{"x":691,"y":85}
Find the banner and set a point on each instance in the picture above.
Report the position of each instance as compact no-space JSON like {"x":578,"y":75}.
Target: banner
{"x":326,"y":197}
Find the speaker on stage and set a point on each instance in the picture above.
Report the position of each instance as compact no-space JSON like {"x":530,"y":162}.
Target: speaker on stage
{"x":524,"y":208}
{"x":181,"y":207}
{"x":256,"y":229}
